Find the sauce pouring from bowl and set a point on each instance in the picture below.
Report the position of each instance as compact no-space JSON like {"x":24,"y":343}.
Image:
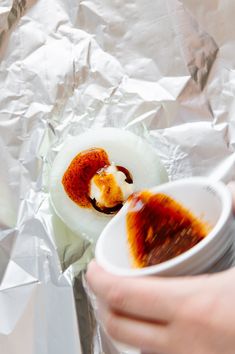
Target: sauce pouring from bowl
{"x":159,"y":228}
{"x":209,"y":200}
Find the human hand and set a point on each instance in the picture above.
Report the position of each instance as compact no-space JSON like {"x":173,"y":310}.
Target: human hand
{"x":165,"y":315}
{"x":186,"y":315}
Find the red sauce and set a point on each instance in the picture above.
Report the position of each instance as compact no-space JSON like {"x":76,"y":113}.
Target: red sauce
{"x":76,"y":180}
{"x":159,"y":228}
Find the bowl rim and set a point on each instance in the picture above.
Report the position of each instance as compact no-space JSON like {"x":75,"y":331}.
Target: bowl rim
{"x":226,"y":210}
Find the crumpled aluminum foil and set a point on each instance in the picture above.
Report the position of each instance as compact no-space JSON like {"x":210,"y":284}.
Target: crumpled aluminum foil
{"x":163,"y":69}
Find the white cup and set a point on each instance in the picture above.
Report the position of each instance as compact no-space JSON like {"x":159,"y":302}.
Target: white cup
{"x":210,"y":201}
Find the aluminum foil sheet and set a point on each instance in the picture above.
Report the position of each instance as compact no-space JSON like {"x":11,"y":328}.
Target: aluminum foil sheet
{"x":162,"y":69}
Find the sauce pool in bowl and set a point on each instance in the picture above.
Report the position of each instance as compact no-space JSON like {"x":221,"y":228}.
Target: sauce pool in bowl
{"x":159,"y":228}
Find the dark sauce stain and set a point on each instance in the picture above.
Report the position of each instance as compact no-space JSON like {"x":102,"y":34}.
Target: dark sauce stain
{"x":77,"y":178}
{"x":159,"y":229}
{"x":108,"y":211}
{"x":128,"y":175}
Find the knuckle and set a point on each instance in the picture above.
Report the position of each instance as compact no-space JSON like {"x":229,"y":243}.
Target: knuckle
{"x":154,"y":341}
{"x":111,"y":325}
{"x":116,"y":298}
{"x":151,"y":342}
{"x":199,"y":310}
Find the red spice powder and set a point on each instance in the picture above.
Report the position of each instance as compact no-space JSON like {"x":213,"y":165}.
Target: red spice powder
{"x":77,"y":177}
{"x":159,"y":228}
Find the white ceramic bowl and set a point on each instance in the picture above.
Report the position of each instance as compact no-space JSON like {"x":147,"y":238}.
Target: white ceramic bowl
{"x":211,"y":201}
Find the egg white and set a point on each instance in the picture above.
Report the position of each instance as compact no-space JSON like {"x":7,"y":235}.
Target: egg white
{"x":124,"y":149}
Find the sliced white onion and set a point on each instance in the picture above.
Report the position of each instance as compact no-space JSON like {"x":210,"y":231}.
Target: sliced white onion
{"x":124,"y":149}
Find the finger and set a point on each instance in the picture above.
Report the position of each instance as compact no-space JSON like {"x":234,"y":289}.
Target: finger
{"x":147,"y":352}
{"x":149,"y":298}
{"x":148,"y":337}
{"x":231,"y":187}
{"x":151,"y":352}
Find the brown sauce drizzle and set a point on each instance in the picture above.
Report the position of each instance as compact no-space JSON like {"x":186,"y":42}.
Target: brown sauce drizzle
{"x":77,"y":178}
{"x":108,"y":211}
{"x":128,"y":175}
{"x":159,"y":228}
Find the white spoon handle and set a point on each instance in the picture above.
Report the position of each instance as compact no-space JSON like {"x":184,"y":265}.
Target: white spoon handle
{"x":225,"y":172}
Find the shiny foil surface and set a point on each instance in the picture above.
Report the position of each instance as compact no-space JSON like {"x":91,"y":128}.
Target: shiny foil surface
{"x":162,"y":69}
